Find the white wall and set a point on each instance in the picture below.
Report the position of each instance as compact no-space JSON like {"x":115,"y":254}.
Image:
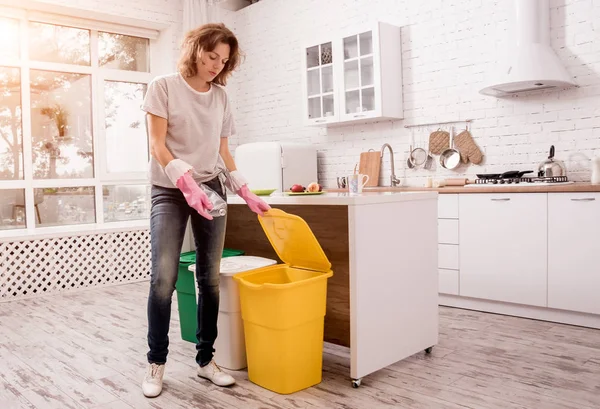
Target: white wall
{"x":447,"y":46}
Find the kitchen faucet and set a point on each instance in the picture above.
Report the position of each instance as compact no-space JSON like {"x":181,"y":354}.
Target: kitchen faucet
{"x":394,"y":181}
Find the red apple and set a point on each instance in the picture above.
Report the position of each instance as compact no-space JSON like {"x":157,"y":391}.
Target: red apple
{"x":297,"y":188}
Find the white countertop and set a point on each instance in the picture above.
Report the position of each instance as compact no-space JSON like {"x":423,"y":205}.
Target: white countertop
{"x":340,"y":198}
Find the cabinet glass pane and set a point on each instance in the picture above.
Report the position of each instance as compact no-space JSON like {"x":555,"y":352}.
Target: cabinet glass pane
{"x":327,"y":74}
{"x":352,"y":102}
{"x":11,"y":141}
{"x":328,"y":105}
{"x":368,"y":99}
{"x":312,"y":56}
{"x":313,"y":82}
{"x":65,"y":205}
{"x":126,"y":138}
{"x":61,"y":125}
{"x":326,"y":54}
{"x":126,"y":202}
{"x":314,"y":107}
{"x":350,"y":47}
{"x":9,"y":37}
{"x":366,"y":71}
{"x":366,"y":43}
{"x":351,"y":74}
{"x":52,"y":43}
{"x":12,"y":209}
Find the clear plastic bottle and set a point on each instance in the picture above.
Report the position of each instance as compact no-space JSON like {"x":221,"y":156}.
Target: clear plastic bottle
{"x":219,"y":205}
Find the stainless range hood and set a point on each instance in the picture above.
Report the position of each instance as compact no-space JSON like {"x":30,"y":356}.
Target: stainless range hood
{"x":529,"y":62}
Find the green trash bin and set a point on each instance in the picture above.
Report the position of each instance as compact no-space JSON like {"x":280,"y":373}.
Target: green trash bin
{"x":186,"y":293}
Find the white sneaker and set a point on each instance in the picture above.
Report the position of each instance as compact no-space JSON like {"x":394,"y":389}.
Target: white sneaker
{"x":153,"y":382}
{"x":213,"y":373}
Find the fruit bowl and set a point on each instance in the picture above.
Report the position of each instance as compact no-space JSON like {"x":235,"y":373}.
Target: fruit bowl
{"x":263,"y":192}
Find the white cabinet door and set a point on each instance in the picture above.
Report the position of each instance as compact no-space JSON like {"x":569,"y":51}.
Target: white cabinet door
{"x":503,"y":248}
{"x":320,"y":99}
{"x":574,"y":251}
{"x":360,"y":78}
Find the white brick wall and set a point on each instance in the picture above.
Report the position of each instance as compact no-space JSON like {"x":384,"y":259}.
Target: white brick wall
{"x":447,"y":47}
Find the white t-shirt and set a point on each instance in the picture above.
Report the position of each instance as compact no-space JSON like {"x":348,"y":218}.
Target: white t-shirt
{"x":196,"y":123}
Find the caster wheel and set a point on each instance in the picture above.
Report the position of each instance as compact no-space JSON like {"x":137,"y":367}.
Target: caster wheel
{"x":356,"y":383}
{"x":428,"y":350}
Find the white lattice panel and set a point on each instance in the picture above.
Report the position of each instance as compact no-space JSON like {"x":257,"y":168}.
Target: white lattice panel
{"x":45,"y":266}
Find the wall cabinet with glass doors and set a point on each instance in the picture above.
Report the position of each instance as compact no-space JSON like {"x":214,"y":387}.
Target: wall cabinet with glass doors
{"x":354,"y":76}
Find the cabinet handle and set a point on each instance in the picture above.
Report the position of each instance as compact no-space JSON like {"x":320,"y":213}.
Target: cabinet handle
{"x":359,"y":115}
{"x":584,"y":199}
{"x":504,"y":199}
{"x":321,"y":120}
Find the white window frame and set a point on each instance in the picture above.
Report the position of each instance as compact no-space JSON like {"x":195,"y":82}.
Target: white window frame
{"x":98,"y":76}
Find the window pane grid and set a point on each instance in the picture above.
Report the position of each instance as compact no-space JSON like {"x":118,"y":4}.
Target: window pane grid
{"x":57,"y":113}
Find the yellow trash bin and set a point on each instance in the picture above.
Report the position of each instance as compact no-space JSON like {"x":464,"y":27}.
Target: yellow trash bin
{"x":283,"y":308}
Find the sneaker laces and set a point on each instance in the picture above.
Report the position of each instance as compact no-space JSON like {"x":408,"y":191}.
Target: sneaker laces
{"x":215,"y":367}
{"x":153,"y":370}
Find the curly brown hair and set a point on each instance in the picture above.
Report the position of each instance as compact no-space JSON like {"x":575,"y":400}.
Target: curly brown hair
{"x":206,"y":38}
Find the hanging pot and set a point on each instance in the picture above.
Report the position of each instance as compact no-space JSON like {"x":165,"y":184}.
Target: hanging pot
{"x":450,"y":157}
{"x":551,"y":167}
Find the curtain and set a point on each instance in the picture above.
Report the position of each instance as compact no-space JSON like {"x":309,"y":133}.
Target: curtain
{"x":198,"y":12}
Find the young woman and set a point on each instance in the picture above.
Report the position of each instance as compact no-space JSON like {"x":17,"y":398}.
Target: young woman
{"x":189,"y":121}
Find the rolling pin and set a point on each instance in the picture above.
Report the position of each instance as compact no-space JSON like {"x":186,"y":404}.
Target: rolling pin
{"x":454,"y":182}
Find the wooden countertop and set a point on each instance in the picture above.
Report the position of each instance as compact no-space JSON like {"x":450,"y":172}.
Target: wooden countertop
{"x":524,"y":188}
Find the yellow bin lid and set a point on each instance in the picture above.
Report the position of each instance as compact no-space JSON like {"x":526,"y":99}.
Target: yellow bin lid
{"x":294,"y":241}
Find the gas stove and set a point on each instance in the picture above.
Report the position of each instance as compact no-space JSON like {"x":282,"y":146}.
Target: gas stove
{"x":517,"y":178}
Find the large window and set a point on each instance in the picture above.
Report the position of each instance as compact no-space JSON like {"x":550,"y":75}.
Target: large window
{"x":73,"y":142}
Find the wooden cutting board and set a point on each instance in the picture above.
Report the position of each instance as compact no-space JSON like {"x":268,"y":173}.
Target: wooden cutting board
{"x":370,"y":163}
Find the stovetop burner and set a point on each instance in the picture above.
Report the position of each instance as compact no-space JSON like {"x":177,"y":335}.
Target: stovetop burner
{"x":516,"y":177}
{"x":502,"y":181}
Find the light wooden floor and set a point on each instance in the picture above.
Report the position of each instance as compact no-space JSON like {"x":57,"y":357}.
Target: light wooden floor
{"x":87,"y":350}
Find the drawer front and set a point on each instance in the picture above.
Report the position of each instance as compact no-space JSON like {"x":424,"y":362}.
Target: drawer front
{"x":448,"y":231}
{"x":448,"y":256}
{"x":448,"y":206}
{"x":448,"y":281}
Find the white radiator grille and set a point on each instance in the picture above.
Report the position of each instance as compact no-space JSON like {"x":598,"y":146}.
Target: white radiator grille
{"x":45,"y":266}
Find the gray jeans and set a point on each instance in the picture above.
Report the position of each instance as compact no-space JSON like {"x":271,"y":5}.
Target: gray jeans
{"x":168,"y":219}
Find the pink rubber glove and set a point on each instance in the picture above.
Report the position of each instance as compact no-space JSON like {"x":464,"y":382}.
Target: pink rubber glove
{"x":256,"y":204}
{"x":195,"y":196}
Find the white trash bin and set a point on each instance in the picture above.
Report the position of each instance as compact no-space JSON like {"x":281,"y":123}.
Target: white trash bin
{"x":230,"y":345}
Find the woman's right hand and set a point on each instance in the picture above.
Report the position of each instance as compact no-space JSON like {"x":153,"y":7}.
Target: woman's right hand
{"x":195,"y":196}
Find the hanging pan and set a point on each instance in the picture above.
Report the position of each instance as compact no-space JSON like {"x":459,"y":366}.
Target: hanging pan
{"x":450,"y":157}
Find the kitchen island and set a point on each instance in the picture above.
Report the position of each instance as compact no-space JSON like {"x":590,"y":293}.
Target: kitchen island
{"x":382,"y":301}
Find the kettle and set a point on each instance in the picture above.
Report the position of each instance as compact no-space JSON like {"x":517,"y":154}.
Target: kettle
{"x":552,"y":167}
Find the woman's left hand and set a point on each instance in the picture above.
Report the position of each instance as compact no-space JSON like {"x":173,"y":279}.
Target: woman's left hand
{"x":255,"y":203}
